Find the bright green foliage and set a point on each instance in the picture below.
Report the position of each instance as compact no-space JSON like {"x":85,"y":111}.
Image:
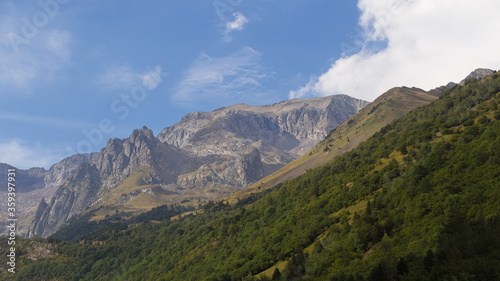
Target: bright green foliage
{"x":434,"y":214}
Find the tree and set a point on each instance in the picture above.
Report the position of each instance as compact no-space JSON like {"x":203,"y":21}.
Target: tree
{"x":368,"y":210}
{"x":402,"y":267}
{"x":429,"y":261}
{"x":378,"y":273}
{"x":276,"y":274}
{"x":497,"y":115}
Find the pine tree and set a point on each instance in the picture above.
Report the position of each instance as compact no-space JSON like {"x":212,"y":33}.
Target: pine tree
{"x":429,"y":261}
{"x":402,"y":266}
{"x":276,"y":275}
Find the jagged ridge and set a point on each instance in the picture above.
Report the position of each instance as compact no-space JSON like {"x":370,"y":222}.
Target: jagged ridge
{"x":204,"y":156}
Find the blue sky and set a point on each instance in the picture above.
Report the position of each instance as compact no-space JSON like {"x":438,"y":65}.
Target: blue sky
{"x":75,"y":73}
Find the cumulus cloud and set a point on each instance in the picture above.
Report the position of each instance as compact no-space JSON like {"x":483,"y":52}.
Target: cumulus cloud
{"x":425,"y":44}
{"x":24,"y":156}
{"x":123,"y":77}
{"x":30,"y":56}
{"x":239,"y":76}
{"x":238,"y":23}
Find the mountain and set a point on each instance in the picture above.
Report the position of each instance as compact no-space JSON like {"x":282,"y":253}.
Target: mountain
{"x":389,"y":106}
{"x":204,"y":156}
{"x":357,"y":129}
{"x":477,"y":74}
{"x":416,"y":201}
{"x":299,"y":125}
{"x":34,"y":185}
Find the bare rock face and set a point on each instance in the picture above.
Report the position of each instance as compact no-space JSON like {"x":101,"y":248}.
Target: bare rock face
{"x":477,"y":74}
{"x":60,"y":172}
{"x":120,"y":158}
{"x":37,"y":250}
{"x":205,"y":155}
{"x":229,"y":173}
{"x":106,"y":170}
{"x":250,"y":142}
{"x":35,"y":185}
{"x":292,"y":126}
{"x":69,"y":200}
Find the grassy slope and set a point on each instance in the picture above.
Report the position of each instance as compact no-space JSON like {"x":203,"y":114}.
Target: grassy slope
{"x":385,"y":109}
{"x":116,"y":200}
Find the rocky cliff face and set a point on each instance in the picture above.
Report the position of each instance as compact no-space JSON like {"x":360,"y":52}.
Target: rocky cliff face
{"x":477,"y":74}
{"x":36,"y":184}
{"x":105,"y":171}
{"x":290,"y":125}
{"x":204,"y":156}
{"x":60,"y":172}
{"x":120,"y":158}
{"x":254,"y":141}
{"x":69,"y":200}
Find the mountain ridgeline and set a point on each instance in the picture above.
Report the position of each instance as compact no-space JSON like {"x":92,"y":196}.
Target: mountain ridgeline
{"x":37,"y":184}
{"x":203,"y":157}
{"x":358,"y":128}
{"x":416,"y":201}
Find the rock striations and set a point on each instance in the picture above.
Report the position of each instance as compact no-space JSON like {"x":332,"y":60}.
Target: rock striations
{"x":202,"y":157}
{"x":290,"y":125}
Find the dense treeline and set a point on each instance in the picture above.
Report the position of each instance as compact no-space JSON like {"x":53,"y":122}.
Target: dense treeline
{"x":418,"y":201}
{"x":81,"y":226}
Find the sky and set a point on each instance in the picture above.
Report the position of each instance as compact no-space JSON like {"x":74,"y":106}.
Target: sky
{"x":74,"y":74}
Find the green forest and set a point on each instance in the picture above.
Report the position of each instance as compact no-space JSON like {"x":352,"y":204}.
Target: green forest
{"x":420,"y":200}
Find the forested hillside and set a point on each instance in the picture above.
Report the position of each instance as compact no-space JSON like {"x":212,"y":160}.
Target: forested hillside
{"x":420,"y":200}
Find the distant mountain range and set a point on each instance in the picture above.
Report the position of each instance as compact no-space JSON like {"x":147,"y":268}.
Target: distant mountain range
{"x":204,"y":156}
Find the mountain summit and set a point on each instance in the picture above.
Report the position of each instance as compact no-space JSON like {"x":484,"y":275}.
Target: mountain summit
{"x":477,"y":74}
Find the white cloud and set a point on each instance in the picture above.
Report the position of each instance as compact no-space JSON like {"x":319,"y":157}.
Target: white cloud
{"x":29,"y":59}
{"x":20,"y":155}
{"x":428,"y":43}
{"x":237,"y":24}
{"x":123,"y":77}
{"x":239,"y":76}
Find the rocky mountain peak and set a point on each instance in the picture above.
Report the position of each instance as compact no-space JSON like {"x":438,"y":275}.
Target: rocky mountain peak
{"x":121,"y":157}
{"x":72,"y":198}
{"x":477,"y":74}
{"x":292,"y":125}
{"x":205,"y":155}
{"x":143,"y":133}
